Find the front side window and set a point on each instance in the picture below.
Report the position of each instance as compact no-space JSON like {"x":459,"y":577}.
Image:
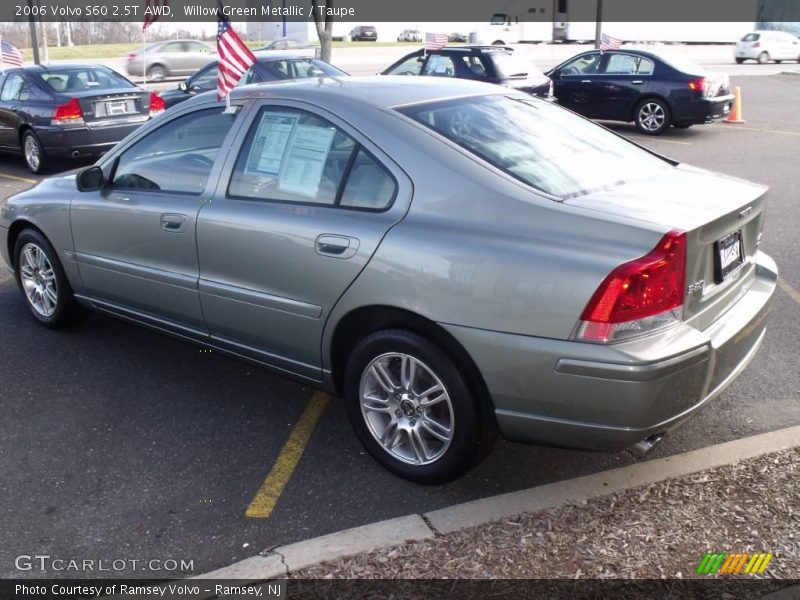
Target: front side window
{"x":176,"y":157}
{"x":588,"y":64}
{"x":206,"y":80}
{"x":411,"y":66}
{"x":291,"y":155}
{"x":439,"y":65}
{"x":542,"y":145}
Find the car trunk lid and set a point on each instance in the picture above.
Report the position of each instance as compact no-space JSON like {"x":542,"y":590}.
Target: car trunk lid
{"x":722,"y":217}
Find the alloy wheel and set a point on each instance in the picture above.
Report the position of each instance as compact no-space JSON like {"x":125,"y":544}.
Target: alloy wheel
{"x":652,"y":116}
{"x":38,"y":280}
{"x":33,"y":153}
{"x":406,"y":408}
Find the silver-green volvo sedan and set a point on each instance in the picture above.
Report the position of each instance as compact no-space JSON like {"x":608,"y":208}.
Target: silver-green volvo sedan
{"x":452,"y":258}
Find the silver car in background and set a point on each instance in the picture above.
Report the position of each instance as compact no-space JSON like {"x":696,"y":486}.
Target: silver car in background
{"x":450,"y":257}
{"x":170,"y":58}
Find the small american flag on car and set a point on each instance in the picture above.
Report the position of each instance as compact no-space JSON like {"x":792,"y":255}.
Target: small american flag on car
{"x":10,"y":56}
{"x":152,"y":11}
{"x":234,"y":57}
{"x":435,"y":41}
{"x":609,"y":43}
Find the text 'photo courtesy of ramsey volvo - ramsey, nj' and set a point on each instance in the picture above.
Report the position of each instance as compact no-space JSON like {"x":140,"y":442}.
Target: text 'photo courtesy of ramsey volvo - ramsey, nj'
{"x":454,"y":259}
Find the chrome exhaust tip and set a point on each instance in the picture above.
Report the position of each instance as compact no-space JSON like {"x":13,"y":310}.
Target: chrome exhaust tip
{"x":643,"y":447}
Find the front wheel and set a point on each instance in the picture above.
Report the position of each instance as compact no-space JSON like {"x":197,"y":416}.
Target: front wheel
{"x":763,"y":58}
{"x":157,"y":73}
{"x":411,"y":407}
{"x":41,"y":279}
{"x":652,"y":116}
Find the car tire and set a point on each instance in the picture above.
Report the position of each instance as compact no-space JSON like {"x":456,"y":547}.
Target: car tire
{"x":42,"y":281}
{"x":498,"y":43}
{"x":739,"y":61}
{"x":763,"y":58}
{"x":652,"y":116}
{"x":157,"y":73}
{"x":387,"y":407}
{"x":33,"y":153}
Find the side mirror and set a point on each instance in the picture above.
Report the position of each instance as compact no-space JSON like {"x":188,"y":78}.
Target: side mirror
{"x":554,"y":74}
{"x":183,"y":86}
{"x":91,"y":179}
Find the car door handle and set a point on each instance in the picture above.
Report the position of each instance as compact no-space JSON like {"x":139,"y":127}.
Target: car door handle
{"x":637,"y":81}
{"x":173,"y":223}
{"x":336,"y":246}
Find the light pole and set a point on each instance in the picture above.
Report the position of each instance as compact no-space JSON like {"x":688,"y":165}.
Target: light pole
{"x":598,"y":25}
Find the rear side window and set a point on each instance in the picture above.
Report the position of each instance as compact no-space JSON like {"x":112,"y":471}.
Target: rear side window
{"x":291,"y":155}
{"x":14,"y":88}
{"x":176,"y":157}
{"x":439,"y":65}
{"x":751,"y":37}
{"x":628,"y":64}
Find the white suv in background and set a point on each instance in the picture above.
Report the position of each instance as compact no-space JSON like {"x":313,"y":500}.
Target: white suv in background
{"x":764,"y":46}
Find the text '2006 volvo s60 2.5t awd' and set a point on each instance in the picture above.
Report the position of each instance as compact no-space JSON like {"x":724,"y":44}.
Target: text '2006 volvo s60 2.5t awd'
{"x":452,"y":258}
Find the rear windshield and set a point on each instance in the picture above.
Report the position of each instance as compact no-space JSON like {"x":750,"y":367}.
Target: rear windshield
{"x":681,"y":63}
{"x":80,"y":79}
{"x":512,"y":66}
{"x":751,"y":37}
{"x":543,"y":145}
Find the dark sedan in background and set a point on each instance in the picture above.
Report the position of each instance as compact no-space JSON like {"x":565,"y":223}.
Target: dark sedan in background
{"x":271,"y":66}
{"x":492,"y":64}
{"x":69,"y":111}
{"x":652,"y":90}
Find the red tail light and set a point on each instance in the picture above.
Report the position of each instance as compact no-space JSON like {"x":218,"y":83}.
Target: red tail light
{"x":131,"y":55}
{"x":157,"y":104}
{"x":68,"y":114}
{"x":698,"y":84}
{"x":639,"y":296}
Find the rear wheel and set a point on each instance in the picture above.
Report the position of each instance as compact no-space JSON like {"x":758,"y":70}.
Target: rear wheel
{"x":763,"y":58}
{"x":33,"y":153}
{"x":652,"y":116}
{"x":412,"y":408}
{"x":739,"y":61}
{"x":157,"y":73}
{"x":41,"y":279}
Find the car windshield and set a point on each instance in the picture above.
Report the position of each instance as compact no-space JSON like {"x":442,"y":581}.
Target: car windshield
{"x":510,"y":66}
{"x":751,"y":37}
{"x":542,"y":145}
{"x":80,"y":79}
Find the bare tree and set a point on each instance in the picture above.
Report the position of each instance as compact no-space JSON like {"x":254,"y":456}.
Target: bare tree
{"x":324,"y":25}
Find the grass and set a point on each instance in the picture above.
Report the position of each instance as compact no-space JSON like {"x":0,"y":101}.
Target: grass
{"x":120,"y":50}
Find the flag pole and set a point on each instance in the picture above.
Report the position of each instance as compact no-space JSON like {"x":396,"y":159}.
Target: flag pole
{"x":144,"y":56}
{"x":2,"y":64}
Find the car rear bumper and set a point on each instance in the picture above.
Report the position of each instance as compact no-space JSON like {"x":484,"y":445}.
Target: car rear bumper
{"x":598,"y":397}
{"x":704,"y":110}
{"x":86,"y":141}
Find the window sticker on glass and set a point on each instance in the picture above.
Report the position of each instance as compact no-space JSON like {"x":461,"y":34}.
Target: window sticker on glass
{"x":306,"y":155}
{"x":269,"y":146}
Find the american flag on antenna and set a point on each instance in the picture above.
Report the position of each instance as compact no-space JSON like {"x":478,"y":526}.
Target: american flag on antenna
{"x":10,"y":56}
{"x":609,"y":43}
{"x":152,"y":11}
{"x":234,"y":57}
{"x":435,"y":41}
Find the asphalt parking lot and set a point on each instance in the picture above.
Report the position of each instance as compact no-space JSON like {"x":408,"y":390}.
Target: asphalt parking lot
{"x":118,"y":442}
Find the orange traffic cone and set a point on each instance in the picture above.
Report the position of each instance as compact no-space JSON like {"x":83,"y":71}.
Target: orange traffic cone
{"x":735,"y":115}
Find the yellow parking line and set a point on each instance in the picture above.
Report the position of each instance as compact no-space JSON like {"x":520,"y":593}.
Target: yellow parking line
{"x":734,"y":128}
{"x":660,"y":140}
{"x":15,"y":178}
{"x":793,"y":293}
{"x":269,"y":493}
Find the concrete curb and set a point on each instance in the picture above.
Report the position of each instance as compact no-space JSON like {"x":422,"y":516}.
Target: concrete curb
{"x":293,"y":557}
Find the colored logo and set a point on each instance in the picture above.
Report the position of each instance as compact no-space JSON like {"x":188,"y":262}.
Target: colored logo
{"x":746,"y":562}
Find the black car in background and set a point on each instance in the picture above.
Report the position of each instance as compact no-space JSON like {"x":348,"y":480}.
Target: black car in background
{"x":364,"y":33}
{"x":652,"y":90}
{"x":492,"y":64}
{"x":68,"y":111}
{"x":271,"y":66}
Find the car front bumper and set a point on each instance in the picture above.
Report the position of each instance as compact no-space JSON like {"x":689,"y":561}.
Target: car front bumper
{"x":600,"y":397}
{"x":86,"y":141}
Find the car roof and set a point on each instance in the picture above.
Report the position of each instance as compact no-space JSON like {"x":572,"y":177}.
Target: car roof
{"x":475,"y":49}
{"x":379,"y":91}
{"x":265,"y":55}
{"x":61,"y":67}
